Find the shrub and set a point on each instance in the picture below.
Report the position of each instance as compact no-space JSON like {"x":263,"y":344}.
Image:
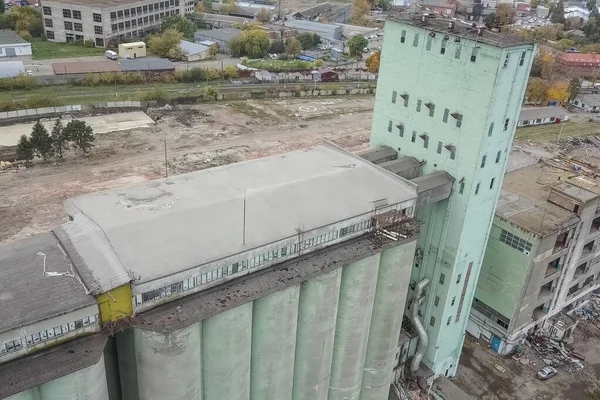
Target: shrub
{"x":25,"y":35}
{"x":153,"y":95}
{"x":210,"y":91}
{"x":19,"y":82}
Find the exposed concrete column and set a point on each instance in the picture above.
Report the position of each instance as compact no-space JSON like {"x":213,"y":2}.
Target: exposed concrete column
{"x":127,"y":364}
{"x":317,"y":314}
{"x":86,"y":384}
{"x":388,"y":308}
{"x":169,"y":364}
{"x":274,"y":320}
{"x":226,"y":345}
{"x":357,"y":292}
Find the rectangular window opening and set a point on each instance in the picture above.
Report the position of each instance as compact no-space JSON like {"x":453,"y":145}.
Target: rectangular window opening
{"x":474,"y":54}
{"x":419,"y":105}
{"x":416,"y":40}
{"x":414,"y":136}
{"x":442,"y":279}
{"x":522,"y":59}
{"x":492,"y":183}
{"x":457,"y":52}
{"x":477,"y":188}
{"x":429,"y":41}
{"x":400,"y":130}
{"x":498,"y":155}
{"x":491,"y":129}
{"x":483,"y":161}
{"x":403,"y":37}
{"x":506,"y":121}
{"x":394,"y":94}
{"x":445,"y":117}
{"x":436,"y":302}
{"x":390,"y":125}
{"x":439,"y":147}
{"x":432,"y":321}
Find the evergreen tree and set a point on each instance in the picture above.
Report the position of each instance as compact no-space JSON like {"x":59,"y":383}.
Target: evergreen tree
{"x":60,"y":141}
{"x":557,"y":13}
{"x":2,"y":7}
{"x":41,"y":142}
{"x":24,"y":149}
{"x":81,"y":134}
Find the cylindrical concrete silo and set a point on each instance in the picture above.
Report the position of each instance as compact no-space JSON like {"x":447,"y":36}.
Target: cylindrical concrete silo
{"x":317,"y":314}
{"x":86,"y":384}
{"x":352,"y":328}
{"x":30,"y":394}
{"x":169,"y":364}
{"x":274,"y":320}
{"x":386,"y":320}
{"x":226,"y":345}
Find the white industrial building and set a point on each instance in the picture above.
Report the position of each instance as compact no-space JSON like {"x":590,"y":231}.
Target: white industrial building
{"x":13,"y":45}
{"x":100,"y":21}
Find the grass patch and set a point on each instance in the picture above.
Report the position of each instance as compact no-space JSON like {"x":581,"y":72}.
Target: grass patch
{"x":280,"y":65}
{"x":550,"y":132}
{"x":43,"y":50}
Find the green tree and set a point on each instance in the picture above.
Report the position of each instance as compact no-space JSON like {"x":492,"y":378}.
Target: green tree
{"x":504,"y":14}
{"x":180,"y":24}
{"x":166,"y":44}
{"x":565,"y":44}
{"x":316,"y":39}
{"x":81,"y":134}
{"x":24,"y":149}
{"x":557,"y":13}
{"x":263,"y":15}
{"x":306,"y":40}
{"x":41,"y":142}
{"x":293,"y":46}
{"x":213,"y":50}
{"x":360,"y":9}
{"x":356,"y":44}
{"x":574,"y":86}
{"x":277,"y":47}
{"x":60,"y":141}
{"x":2,"y":7}
{"x":253,"y":43}
{"x":591,"y":48}
{"x":207,"y":4}
{"x":25,"y":19}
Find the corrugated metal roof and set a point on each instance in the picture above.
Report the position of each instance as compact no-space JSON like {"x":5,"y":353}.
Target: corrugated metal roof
{"x":10,"y":37}
{"x":192,"y":48}
{"x":147,"y":64}
{"x":217,"y":34}
{"x":312,"y":26}
{"x":10,"y":69}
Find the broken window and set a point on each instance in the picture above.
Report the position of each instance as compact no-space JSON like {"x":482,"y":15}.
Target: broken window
{"x":403,"y":36}
{"x":400,"y":130}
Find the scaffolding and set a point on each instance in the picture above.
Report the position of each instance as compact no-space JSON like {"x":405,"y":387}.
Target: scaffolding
{"x":393,"y":225}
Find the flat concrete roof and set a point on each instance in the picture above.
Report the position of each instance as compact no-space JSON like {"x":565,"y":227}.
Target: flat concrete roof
{"x":26,"y":294}
{"x":54,"y":362}
{"x":463,"y":29}
{"x":9,"y":37}
{"x":529,"y":113}
{"x":167,"y":226}
{"x":524,"y":200}
{"x":199,"y":306}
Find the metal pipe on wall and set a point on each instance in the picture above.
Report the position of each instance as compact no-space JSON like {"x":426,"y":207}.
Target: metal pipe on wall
{"x":423,"y":339}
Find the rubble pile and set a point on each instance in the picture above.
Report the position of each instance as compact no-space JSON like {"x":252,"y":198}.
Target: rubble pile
{"x":553,"y":352}
{"x":591,"y":310}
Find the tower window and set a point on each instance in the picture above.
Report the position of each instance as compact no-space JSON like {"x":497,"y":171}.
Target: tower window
{"x":458,"y":278}
{"x":400,"y":130}
{"x":432,"y":321}
{"x":506,"y":121}
{"x":491,"y":129}
{"x":436,"y":302}
{"x":405,"y":98}
{"x":418,"y":105}
{"x":431,"y":107}
{"x":453,"y":301}
{"x":390,"y":124}
{"x":443,"y":49}
{"x":414,"y":137}
{"x":416,"y":40}
{"x":461,"y":186}
{"x":429,"y":40}
{"x":477,"y":188}
{"x":522,"y":59}
{"x":458,"y":117}
{"x":445,"y":117}
{"x":483,"y":161}
{"x":439,"y":147}
{"x":453,"y":153}
{"x":457,"y":52}
{"x":442,"y":279}
{"x":449,"y":319}
{"x":403,"y":36}
{"x":506,"y":60}
{"x":394,"y":94}
{"x":474,"y":54}
{"x":492,"y":183}
{"x":498,"y":155}
{"x":425,"y":138}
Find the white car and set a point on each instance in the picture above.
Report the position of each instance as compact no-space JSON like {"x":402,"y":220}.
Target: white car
{"x":546,"y":373}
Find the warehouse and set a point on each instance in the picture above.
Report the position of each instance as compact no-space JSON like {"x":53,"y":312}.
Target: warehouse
{"x":222,"y":37}
{"x":194,"y":51}
{"x":530,"y":116}
{"x":325,"y":31}
{"x":13,"y":45}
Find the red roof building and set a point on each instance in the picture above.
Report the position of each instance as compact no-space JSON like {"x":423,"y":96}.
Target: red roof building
{"x":579,"y":64}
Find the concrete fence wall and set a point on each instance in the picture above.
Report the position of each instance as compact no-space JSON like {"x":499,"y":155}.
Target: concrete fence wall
{"x":49,"y":111}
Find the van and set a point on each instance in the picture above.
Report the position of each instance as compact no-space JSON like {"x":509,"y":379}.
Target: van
{"x":111,"y":54}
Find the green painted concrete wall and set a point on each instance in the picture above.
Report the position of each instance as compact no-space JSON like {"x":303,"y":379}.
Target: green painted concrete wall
{"x":86,"y":384}
{"x":505,"y":270}
{"x":455,"y":231}
{"x":334,"y":336}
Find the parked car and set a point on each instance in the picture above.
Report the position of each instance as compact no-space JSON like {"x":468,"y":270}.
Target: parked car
{"x":546,"y":373}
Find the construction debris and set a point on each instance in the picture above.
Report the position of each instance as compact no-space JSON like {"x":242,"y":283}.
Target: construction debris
{"x":554,"y":352}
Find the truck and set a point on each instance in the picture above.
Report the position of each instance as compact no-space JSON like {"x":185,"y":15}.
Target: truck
{"x":111,"y":54}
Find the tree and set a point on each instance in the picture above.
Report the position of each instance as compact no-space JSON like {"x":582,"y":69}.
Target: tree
{"x":25,"y":19}
{"x":180,"y":24}
{"x":559,"y":91}
{"x":373,"y":61}
{"x":565,"y":44}
{"x":306,"y":40}
{"x":81,"y":134}
{"x":543,"y":65}
{"x":231,"y":71}
{"x":356,"y":44}
{"x":253,"y":43}
{"x":213,"y":50}
{"x":263,"y":15}
{"x":277,"y":47}
{"x":24,"y":149}
{"x":2,"y":7}
{"x":228,"y":9}
{"x":207,"y":4}
{"x":574,"y":86}
{"x":504,"y":14}
{"x":557,"y":13}
{"x":166,"y":44}
{"x":591,"y":48}
{"x":537,"y":90}
{"x":60,"y":141}
{"x":360,"y":9}
{"x":293,"y":46}
{"x":41,"y":142}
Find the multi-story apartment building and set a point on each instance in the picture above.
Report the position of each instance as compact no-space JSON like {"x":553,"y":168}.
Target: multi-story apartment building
{"x":449,"y":95}
{"x":101,"y":21}
{"x":542,"y":256}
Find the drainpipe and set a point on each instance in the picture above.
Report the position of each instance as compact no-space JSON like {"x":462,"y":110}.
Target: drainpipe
{"x":423,"y":339}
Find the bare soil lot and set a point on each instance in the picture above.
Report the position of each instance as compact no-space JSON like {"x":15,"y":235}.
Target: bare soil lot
{"x":196,"y":137}
{"x":479,"y":376}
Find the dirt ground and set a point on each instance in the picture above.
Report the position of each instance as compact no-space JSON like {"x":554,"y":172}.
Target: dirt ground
{"x":196,"y":137}
{"x":479,"y":377}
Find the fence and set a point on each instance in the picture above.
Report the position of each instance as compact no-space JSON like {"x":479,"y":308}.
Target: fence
{"x":49,"y":111}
